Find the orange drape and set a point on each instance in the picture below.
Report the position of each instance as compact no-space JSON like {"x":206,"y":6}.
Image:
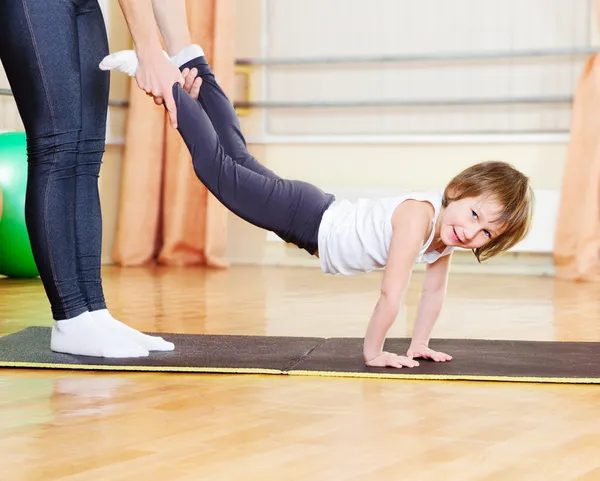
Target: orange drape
{"x":577,"y":242}
{"x":165,"y":214}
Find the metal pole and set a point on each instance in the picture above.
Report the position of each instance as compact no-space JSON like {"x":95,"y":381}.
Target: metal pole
{"x":422,"y":57}
{"x":558,"y":99}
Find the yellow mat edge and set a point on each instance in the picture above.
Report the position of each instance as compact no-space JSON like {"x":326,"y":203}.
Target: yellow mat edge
{"x":369,"y":375}
{"x":448,"y":377}
{"x":101,"y":367}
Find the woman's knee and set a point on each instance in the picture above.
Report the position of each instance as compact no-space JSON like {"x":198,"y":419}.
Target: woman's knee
{"x":53,"y":148}
{"x":89,"y":157}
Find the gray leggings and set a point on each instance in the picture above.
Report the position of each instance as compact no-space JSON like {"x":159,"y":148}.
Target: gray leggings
{"x":210,"y":128}
{"x":50,"y":50}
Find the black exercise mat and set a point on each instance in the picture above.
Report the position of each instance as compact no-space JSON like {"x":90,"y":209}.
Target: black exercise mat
{"x":193,"y":353}
{"x":473,"y":359}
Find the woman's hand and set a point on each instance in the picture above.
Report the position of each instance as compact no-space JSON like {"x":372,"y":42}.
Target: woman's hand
{"x":156,"y":75}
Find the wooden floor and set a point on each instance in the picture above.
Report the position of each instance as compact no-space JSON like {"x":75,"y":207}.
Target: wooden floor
{"x":59,"y":425}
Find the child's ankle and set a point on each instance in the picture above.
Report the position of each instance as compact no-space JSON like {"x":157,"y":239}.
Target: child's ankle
{"x":186,"y":54}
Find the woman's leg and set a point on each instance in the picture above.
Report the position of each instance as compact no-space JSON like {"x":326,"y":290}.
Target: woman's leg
{"x":40,"y":53}
{"x":93,"y":47}
{"x":292,"y":209}
{"x":48,"y":102}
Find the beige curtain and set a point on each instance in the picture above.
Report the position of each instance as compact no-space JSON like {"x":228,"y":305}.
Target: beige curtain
{"x":165,"y":213}
{"x":577,"y":244}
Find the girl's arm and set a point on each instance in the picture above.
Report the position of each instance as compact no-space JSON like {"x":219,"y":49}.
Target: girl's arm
{"x":430,"y":305}
{"x":411,"y":224}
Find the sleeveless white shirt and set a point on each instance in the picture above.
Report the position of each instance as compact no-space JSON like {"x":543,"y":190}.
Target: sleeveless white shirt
{"x":355,"y":237}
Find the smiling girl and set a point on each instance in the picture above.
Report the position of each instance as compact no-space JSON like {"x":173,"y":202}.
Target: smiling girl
{"x":487,"y":208}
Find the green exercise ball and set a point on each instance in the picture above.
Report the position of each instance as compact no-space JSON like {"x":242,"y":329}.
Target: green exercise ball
{"x":16,"y":258}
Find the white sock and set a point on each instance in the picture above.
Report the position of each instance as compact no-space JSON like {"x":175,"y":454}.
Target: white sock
{"x":126,"y":61}
{"x":83,"y":335}
{"x":151,"y":343}
{"x":186,"y":54}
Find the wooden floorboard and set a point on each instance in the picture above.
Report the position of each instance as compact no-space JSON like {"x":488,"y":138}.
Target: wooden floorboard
{"x":64,"y":425}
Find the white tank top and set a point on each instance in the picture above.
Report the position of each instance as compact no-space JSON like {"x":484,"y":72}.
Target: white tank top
{"x":355,"y":237}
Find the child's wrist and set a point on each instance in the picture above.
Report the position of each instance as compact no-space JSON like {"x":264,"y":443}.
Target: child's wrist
{"x":370,"y":355}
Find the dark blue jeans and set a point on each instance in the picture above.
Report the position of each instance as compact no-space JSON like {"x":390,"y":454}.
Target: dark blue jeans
{"x":50,"y":50}
{"x":292,"y":209}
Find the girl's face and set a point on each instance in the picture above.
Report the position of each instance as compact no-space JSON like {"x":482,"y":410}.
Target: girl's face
{"x":469,"y":223}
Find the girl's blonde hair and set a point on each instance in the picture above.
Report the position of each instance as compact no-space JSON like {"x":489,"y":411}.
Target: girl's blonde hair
{"x":507,"y":186}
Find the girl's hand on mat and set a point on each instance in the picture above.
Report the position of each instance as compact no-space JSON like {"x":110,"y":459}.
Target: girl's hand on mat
{"x":421,"y":350}
{"x":192,"y":82}
{"x":388,"y":359}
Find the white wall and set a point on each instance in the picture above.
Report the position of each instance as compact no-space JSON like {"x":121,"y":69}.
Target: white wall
{"x":354,"y":28}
